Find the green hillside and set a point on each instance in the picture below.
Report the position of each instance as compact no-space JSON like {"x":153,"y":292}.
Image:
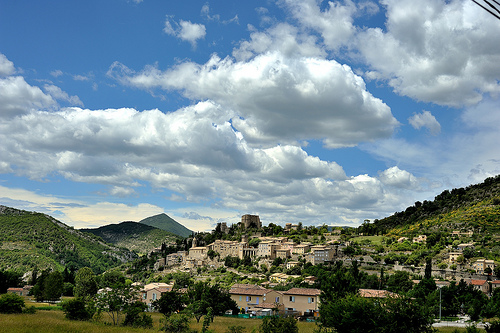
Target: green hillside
{"x":165,"y":222}
{"x":29,"y":239}
{"x":474,"y":207}
{"x":134,"y":236}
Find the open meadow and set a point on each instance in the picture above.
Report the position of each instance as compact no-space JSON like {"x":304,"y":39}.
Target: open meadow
{"x":53,"y":321}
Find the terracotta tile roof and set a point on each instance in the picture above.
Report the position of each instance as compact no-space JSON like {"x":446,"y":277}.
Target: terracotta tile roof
{"x":15,"y":289}
{"x":248,"y":289}
{"x":373,"y":293}
{"x":477,"y":282}
{"x":303,"y":291}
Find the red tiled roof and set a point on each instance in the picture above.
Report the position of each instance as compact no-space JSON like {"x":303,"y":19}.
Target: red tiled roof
{"x":15,"y":289}
{"x":477,"y":282}
{"x":303,"y":291}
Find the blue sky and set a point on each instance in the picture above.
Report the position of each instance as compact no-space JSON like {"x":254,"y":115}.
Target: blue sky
{"x":298,"y":111}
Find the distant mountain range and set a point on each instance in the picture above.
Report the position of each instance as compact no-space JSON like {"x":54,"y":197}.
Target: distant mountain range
{"x":29,"y":240}
{"x":165,"y":222}
{"x":137,"y":237}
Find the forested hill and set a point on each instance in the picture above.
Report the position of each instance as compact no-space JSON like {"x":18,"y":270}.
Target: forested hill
{"x":29,"y":239}
{"x":476,"y":206}
{"x":134,"y":236}
{"x":165,"y":222}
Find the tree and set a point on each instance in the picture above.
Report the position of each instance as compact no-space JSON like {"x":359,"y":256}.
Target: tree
{"x":39,"y":287}
{"x":135,"y":316}
{"x":276,"y":324}
{"x":169,"y":303}
{"x":76,"y":309}
{"x":85,"y":283}
{"x":391,"y":315}
{"x":201,"y":296}
{"x":115,"y":301}
{"x":9,"y":279}
{"x":53,"y":287}
{"x":399,"y":282}
{"x":176,"y":323}
{"x":112,"y":279}
{"x":11,"y":303}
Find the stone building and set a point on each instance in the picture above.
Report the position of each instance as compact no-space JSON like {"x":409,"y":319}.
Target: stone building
{"x":249,"y":221}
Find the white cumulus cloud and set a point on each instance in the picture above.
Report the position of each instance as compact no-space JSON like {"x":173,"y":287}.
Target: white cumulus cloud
{"x":276,"y":99}
{"x":427,"y":120}
{"x":185,"y":30}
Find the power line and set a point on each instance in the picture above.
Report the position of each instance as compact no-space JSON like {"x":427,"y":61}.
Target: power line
{"x":493,"y":9}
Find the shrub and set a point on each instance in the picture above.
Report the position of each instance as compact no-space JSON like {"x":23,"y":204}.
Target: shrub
{"x":76,"y":309}
{"x":29,"y":310}
{"x":11,"y":303}
{"x":135,"y":316}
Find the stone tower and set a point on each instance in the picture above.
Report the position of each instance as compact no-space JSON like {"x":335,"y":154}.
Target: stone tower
{"x":251,"y":221}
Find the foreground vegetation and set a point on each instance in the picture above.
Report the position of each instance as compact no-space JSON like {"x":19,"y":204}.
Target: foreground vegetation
{"x":54,"y":322}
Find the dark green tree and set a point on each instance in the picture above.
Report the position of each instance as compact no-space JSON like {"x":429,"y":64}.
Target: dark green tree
{"x":76,"y":309}
{"x":53,"y":287}
{"x":85,"y":283}
{"x":399,"y":282}
{"x":135,"y":316}
{"x":9,"y":279}
{"x":169,"y":303}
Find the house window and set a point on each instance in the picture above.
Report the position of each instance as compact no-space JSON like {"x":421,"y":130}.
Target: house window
{"x":249,"y":298}
{"x":277,"y":299}
{"x":292,"y":299}
{"x":154,"y":297}
{"x":310,"y":300}
{"x":144,"y":295}
{"x":240,"y":298}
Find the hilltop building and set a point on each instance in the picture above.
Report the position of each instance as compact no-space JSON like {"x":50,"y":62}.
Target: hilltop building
{"x":249,"y":221}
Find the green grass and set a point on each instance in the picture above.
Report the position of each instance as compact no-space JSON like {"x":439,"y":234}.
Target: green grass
{"x":54,"y":322}
{"x":375,"y":240}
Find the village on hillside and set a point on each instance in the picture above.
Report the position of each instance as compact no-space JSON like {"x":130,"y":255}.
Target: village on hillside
{"x":271,"y":251}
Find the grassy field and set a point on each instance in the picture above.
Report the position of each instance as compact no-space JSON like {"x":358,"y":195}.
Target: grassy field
{"x":54,"y":322}
{"x":375,"y":240}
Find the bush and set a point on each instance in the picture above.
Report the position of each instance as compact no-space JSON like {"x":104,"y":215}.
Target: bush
{"x":76,"y":309}
{"x":29,"y":310}
{"x":135,"y":316}
{"x":176,"y":323}
{"x":11,"y":303}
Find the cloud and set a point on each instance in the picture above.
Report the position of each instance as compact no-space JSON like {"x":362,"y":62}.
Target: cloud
{"x":196,"y":216}
{"x":6,"y":66}
{"x":466,"y":156}
{"x":17,"y":97}
{"x":445,"y":52}
{"x":56,"y":73}
{"x":121,"y":192}
{"x":427,"y":120}
{"x":275,"y":99}
{"x":205,"y":12}
{"x":283,"y":38}
{"x":58,"y":94}
{"x":185,"y":30}
{"x":81,"y":77}
{"x":334,"y":23}
{"x":398,"y":178}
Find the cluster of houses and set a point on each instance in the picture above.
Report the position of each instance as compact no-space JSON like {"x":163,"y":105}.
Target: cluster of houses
{"x":253,"y":299}
{"x":268,"y":248}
